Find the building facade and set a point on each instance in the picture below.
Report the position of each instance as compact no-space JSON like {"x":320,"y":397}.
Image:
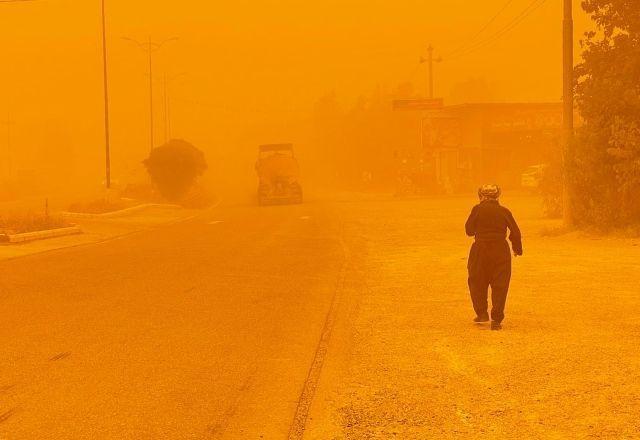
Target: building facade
{"x":462,"y":146}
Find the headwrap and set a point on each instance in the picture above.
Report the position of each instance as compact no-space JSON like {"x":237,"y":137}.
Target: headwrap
{"x":489,"y":192}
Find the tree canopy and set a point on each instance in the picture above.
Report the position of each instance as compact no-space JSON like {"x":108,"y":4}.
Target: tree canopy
{"x":174,"y":168}
{"x":606,"y":167}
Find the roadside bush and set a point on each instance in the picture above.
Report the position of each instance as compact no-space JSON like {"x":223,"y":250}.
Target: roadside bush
{"x":174,"y":168}
{"x":30,"y":222}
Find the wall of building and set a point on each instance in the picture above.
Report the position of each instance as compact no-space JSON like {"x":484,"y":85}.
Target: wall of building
{"x":477,"y":143}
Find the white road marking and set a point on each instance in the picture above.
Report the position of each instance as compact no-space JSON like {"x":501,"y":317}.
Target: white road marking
{"x":216,"y":222}
{"x":305,"y":217}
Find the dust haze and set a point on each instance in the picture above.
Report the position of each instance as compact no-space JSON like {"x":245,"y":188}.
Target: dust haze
{"x":314,"y":220}
{"x":245,"y":73}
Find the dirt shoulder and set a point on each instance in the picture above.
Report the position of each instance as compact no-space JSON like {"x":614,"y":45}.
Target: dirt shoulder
{"x":406,"y":362}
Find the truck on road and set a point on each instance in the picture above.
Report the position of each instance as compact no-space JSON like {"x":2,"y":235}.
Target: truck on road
{"x":278,"y":175}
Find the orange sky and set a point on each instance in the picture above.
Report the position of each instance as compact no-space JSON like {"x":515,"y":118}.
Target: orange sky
{"x":253,"y":68}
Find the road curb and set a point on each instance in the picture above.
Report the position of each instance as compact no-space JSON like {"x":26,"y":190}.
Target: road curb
{"x":38,"y":235}
{"x":105,"y":239}
{"x":120,"y":213}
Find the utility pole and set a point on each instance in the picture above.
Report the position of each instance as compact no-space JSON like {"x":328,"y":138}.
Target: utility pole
{"x":568,"y":127}
{"x":150,"y":47}
{"x":9,"y":165}
{"x":167,"y":80}
{"x":167,"y":128}
{"x":106,"y":100}
{"x":151,"y":127}
{"x":430,"y":50}
{"x":430,"y":60}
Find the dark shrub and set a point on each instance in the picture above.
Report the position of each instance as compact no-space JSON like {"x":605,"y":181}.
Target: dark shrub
{"x":174,"y":168}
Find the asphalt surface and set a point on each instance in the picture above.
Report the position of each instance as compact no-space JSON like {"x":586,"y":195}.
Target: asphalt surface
{"x":339,"y":319}
{"x":203,"y":329}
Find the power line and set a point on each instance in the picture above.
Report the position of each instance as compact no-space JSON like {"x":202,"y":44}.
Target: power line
{"x":481,"y":30}
{"x":526,"y":14}
{"x":530,"y":9}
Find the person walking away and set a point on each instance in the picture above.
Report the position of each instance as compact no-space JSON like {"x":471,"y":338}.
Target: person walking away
{"x":489,"y":261}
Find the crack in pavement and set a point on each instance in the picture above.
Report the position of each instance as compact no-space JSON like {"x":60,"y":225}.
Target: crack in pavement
{"x":297,"y":428}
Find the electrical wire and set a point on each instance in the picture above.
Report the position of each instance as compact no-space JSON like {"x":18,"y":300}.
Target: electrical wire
{"x":530,"y":9}
{"x":481,"y":30}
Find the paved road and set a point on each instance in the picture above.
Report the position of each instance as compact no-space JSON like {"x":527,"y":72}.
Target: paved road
{"x":344,"y":319}
{"x":203,"y":329}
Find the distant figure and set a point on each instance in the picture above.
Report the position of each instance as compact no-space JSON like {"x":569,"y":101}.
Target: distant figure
{"x":490,"y":257}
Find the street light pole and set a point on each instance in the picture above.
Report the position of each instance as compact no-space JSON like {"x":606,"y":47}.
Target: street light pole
{"x":8,"y":168}
{"x":151,"y":127}
{"x":106,"y":100}
{"x":430,"y":61}
{"x":167,"y":80}
{"x":568,"y":125}
{"x":150,"y":46}
{"x":166,"y":109}
{"x":9,"y":165}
